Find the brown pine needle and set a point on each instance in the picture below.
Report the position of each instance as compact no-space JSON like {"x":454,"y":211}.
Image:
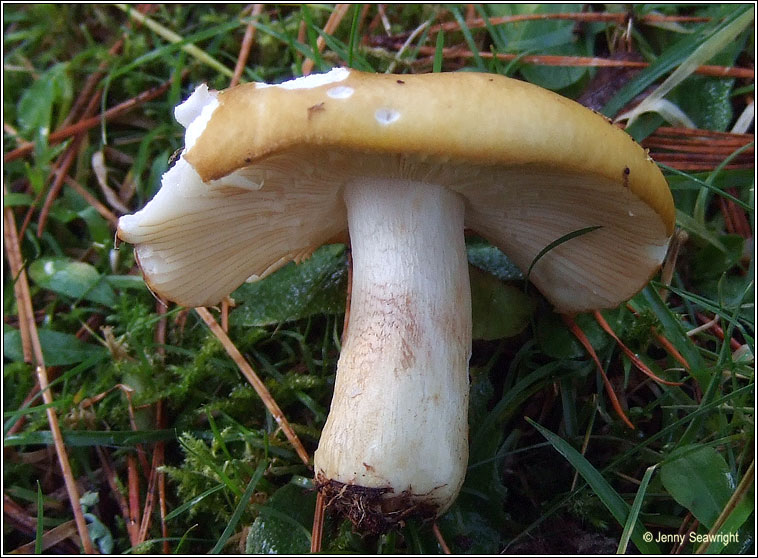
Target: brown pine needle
{"x":111,"y":478}
{"x":736,"y":497}
{"x":318,"y":524}
{"x":340,"y":10}
{"x":106,"y":213}
{"x":579,"y":334}
{"x":628,"y":352}
{"x":440,"y":539}
{"x":50,"y":538}
{"x":88,"y":123}
{"x":88,"y":90}
{"x":60,"y":176}
{"x":26,"y":319}
{"x":579,"y":61}
{"x":736,"y":220}
{"x":247,"y":44}
{"x":669,"y":348}
{"x":160,"y":423}
{"x":689,"y":525}
{"x":585,"y":17}
{"x":664,"y":343}
{"x":147,"y":511}
{"x":733,"y":343}
{"x":254,"y":381}
{"x":134,"y":492}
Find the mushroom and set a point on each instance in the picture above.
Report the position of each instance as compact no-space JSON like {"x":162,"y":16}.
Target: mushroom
{"x":404,"y":163}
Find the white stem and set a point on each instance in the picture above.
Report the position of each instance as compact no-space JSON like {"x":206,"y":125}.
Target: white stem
{"x":398,"y":418}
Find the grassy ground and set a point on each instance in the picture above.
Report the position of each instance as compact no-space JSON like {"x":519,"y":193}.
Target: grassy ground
{"x":167,"y":446}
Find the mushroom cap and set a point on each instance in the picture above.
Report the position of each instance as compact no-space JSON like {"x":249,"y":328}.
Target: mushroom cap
{"x":260,"y":180}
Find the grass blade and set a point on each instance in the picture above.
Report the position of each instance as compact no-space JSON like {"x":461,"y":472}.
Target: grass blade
{"x":257,"y":475}
{"x":674,"y":332}
{"x":40,"y":517}
{"x":672,"y":57}
{"x":704,"y":52}
{"x":353,"y":33}
{"x":634,"y":512}
{"x":437,"y":67}
{"x":174,"y":38}
{"x":557,"y":242}
{"x":193,"y":501}
{"x":602,"y":489}
{"x":469,"y":38}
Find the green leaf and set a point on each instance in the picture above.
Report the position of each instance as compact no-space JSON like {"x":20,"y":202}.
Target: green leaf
{"x":498,"y":310}
{"x":489,"y":258}
{"x":698,"y":478}
{"x":674,"y":332}
{"x":99,"y":229}
{"x":99,"y":533}
{"x":437,"y":65}
{"x":12,"y":199}
{"x":694,"y":227}
{"x":35,"y":108}
{"x":545,"y":36}
{"x":58,"y":349}
{"x":469,"y":531}
{"x":601,"y":487}
{"x":515,"y":396}
{"x":315,"y":286}
{"x":670,"y":59}
{"x":711,"y":262}
{"x":707,"y":101}
{"x":125,"y":282}
{"x":75,"y":279}
{"x":283,"y":526}
{"x":558,"y":342}
{"x":557,"y":77}
{"x":468,"y":37}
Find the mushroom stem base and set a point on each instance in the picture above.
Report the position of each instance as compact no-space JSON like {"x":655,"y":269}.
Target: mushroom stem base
{"x":373,"y":511}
